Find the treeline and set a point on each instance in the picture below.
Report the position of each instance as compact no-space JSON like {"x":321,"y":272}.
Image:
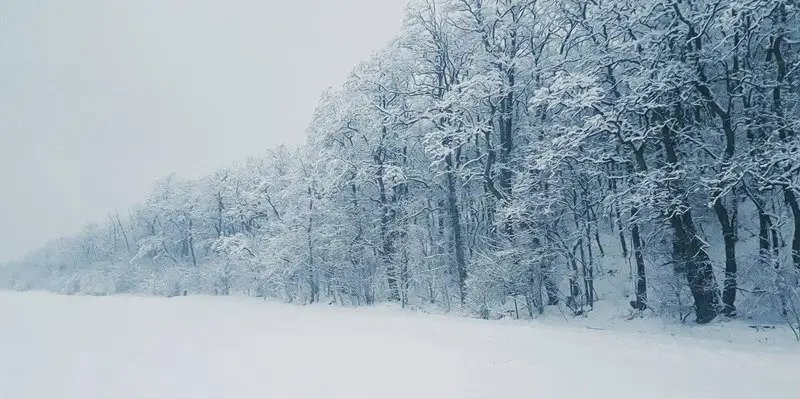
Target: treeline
{"x":504,"y":154}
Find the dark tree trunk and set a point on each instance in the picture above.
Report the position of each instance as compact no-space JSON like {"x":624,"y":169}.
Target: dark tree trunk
{"x":764,"y":229}
{"x":387,"y":248}
{"x":724,"y":218}
{"x":550,"y":286}
{"x":636,"y":240}
{"x":190,"y":244}
{"x":641,"y":277}
{"x":455,"y":226}
{"x":791,"y":200}
{"x":785,"y":131}
{"x":587,"y":263}
{"x":124,"y":235}
{"x":693,"y":260}
{"x":777,"y":266}
{"x":573,"y":301}
{"x":689,"y":250}
{"x":312,"y":278}
{"x":729,"y":238}
{"x":585,"y":273}
{"x":622,"y":244}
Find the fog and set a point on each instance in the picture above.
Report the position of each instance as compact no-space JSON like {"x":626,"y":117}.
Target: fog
{"x":99,"y":98}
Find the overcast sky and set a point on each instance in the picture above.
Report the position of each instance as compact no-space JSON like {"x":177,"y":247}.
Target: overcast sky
{"x":100,"y":98}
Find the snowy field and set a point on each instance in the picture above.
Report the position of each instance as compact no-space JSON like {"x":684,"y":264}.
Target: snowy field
{"x":198,"y":347}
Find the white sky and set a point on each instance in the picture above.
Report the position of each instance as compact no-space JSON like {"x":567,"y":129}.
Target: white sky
{"x":99,"y":98}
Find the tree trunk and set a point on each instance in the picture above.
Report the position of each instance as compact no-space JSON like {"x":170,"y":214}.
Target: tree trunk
{"x":124,"y":235}
{"x":729,"y":238}
{"x":689,"y":250}
{"x":387,"y":248}
{"x":641,"y":277}
{"x":455,"y":226}
{"x":791,"y":200}
{"x":550,"y":286}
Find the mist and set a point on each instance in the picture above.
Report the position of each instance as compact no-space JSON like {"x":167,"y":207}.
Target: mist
{"x":98,"y":99}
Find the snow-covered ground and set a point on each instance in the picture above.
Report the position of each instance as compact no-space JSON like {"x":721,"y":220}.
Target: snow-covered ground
{"x":199,"y":347}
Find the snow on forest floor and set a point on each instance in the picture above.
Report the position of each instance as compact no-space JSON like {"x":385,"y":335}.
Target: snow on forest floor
{"x":201,"y":347}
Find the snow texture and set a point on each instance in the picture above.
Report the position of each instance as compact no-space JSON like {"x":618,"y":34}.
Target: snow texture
{"x":201,"y":347}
